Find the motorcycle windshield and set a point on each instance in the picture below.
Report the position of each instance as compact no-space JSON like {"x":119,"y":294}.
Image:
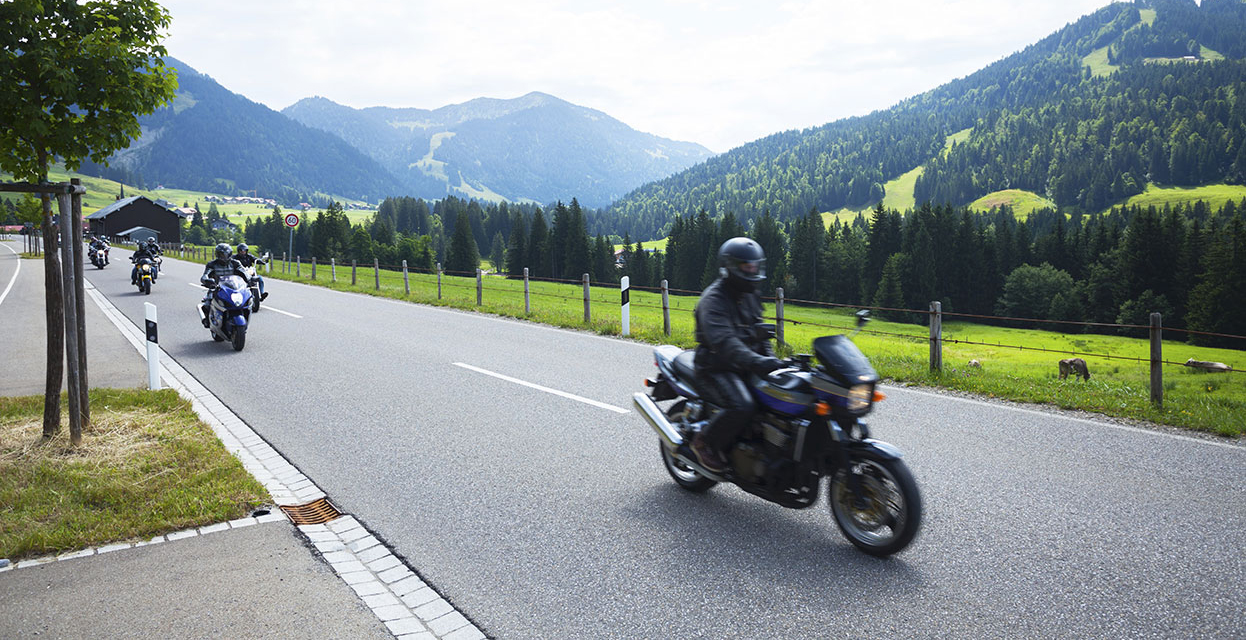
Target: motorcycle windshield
{"x":234,"y":283}
{"x":844,"y":361}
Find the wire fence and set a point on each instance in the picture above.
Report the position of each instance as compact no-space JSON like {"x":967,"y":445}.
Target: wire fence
{"x":596,"y":296}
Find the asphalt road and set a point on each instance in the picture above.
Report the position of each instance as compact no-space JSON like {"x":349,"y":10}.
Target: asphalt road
{"x":540,"y":515}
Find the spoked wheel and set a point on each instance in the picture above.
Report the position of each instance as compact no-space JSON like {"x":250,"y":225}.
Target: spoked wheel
{"x":684,"y":475}
{"x":887,"y":514}
{"x":239,"y":339}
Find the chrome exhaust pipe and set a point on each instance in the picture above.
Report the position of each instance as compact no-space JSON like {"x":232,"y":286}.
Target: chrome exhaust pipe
{"x":653,"y":415}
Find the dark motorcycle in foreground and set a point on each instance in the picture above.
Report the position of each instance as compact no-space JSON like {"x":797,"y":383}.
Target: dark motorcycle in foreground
{"x":808,"y":427}
{"x":229,"y":311}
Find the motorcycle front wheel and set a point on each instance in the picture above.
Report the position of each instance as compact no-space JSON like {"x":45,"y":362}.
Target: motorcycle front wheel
{"x":239,"y":339}
{"x":886,"y":516}
{"x":684,"y":475}
{"x":146,"y":287}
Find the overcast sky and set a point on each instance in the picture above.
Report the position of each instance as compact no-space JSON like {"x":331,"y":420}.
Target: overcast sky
{"x":717,"y":72}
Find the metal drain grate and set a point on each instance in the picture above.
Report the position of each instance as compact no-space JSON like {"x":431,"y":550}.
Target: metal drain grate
{"x":316,"y":512}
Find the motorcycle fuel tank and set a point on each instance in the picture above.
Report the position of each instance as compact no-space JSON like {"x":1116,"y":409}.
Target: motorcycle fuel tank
{"x":786,"y":393}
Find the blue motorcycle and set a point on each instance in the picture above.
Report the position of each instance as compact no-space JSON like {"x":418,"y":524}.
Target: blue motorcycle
{"x":808,"y":427}
{"x":229,"y":311}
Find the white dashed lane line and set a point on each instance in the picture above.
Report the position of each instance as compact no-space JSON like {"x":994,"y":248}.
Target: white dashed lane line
{"x":564,"y":394}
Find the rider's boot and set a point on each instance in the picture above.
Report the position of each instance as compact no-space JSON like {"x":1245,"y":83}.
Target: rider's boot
{"x":707,"y":455}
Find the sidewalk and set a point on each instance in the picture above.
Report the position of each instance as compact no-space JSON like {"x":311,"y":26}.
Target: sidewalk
{"x":253,"y":578}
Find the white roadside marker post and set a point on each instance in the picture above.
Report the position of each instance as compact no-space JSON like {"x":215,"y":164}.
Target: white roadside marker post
{"x":627,"y":305}
{"x":153,"y":349}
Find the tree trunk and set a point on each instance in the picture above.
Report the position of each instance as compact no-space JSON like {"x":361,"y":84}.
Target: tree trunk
{"x":55,"y":319}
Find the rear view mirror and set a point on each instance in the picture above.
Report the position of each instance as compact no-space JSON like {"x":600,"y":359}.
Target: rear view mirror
{"x":863,"y":316}
{"x":764,"y":330}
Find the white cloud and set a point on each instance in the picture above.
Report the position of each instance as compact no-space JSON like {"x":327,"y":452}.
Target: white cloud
{"x":720,"y":73}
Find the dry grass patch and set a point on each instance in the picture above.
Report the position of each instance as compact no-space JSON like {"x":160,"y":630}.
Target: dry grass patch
{"x":146,"y":466}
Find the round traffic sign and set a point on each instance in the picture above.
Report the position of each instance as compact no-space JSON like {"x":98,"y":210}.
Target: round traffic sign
{"x":292,"y":220}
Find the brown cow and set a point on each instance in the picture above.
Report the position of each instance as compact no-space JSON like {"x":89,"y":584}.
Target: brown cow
{"x":1075,"y":366}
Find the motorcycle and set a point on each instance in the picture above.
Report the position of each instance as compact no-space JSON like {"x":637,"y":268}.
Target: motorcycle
{"x":808,"y":427}
{"x":253,"y":282}
{"x":99,"y":257}
{"x":229,"y":311}
{"x":146,"y":274}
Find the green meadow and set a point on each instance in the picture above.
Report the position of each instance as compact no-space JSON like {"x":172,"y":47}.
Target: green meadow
{"x":1120,"y":371}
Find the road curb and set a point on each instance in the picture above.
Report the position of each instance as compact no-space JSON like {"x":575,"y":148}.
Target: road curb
{"x":409,"y":608}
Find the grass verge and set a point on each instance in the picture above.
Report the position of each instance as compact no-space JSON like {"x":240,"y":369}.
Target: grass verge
{"x":147,"y":466}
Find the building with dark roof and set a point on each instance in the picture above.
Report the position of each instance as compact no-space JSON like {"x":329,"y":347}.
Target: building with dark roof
{"x":138,"y":211}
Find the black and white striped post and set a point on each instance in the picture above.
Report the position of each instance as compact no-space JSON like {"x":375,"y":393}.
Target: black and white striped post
{"x":625,"y":286}
{"x":153,"y":349}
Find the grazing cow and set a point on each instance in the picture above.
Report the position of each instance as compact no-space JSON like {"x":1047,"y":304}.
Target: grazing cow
{"x":975,"y":364}
{"x":1075,"y":366}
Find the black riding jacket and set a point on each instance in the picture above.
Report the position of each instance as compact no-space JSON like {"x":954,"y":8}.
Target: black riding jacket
{"x":247,"y":259}
{"x":217,"y":269}
{"x":725,"y":334}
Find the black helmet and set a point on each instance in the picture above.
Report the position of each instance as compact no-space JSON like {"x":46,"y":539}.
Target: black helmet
{"x":243,"y":248}
{"x":742,"y":262}
{"x":223,"y":252}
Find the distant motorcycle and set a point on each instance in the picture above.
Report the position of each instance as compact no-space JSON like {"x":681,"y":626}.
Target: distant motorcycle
{"x":808,"y":427}
{"x":229,"y":311}
{"x":99,"y":258}
{"x":146,"y":274}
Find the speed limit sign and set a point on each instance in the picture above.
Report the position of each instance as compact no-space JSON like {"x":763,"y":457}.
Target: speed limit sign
{"x":292,"y":220}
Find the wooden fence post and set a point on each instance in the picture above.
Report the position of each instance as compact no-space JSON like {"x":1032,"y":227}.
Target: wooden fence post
{"x":406,"y":282}
{"x":936,"y":336}
{"x":376,"y":273}
{"x":527,"y":299}
{"x":438,"y":280}
{"x":778,"y":314}
{"x":479,"y":288}
{"x":354,"y":268}
{"x":1157,"y":360}
{"x":666,"y":308}
{"x":587,"y":314}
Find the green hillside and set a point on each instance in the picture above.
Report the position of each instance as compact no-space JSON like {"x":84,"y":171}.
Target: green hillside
{"x":1022,"y":203}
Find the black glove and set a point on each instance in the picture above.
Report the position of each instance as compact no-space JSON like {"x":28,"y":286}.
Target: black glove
{"x":764,"y":366}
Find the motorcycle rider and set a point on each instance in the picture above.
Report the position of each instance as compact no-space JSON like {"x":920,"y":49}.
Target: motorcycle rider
{"x":98,"y":243}
{"x":245,"y":258}
{"x":728,"y":347}
{"x":154,"y":250}
{"x":146,"y":249}
{"x":223,"y":266}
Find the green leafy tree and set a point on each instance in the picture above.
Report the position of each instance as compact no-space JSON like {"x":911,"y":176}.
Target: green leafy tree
{"x":1029,"y":291}
{"x":76,"y":76}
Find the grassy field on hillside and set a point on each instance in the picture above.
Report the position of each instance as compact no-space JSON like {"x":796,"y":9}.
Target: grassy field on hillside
{"x":102,"y":192}
{"x":898,"y":193}
{"x":1214,"y":195}
{"x":1118,"y":387}
{"x":1023,"y":203}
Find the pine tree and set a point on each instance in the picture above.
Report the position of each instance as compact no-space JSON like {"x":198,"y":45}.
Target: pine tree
{"x":462,"y":254}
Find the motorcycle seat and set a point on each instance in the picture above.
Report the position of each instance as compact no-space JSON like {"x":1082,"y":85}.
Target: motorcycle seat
{"x":685,"y":367}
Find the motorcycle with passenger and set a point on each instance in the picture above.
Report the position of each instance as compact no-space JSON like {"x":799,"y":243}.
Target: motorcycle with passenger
{"x":229,"y":310}
{"x":808,"y":427}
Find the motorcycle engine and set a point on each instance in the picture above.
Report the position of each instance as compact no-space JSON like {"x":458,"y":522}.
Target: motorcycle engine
{"x":764,"y":449}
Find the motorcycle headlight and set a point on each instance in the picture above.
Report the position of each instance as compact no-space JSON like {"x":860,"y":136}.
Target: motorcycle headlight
{"x":236,"y":298}
{"x":860,"y":397}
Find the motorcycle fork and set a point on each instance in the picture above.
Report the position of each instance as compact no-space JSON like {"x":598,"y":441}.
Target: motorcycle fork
{"x":840,"y":457}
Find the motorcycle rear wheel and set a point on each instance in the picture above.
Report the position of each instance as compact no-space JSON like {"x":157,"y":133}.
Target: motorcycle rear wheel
{"x":892,"y":510}
{"x":684,"y":476}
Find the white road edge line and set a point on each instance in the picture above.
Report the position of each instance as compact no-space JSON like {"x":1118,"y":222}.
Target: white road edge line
{"x":569,"y":396}
{"x":15,"y":272}
{"x":270,"y":308}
